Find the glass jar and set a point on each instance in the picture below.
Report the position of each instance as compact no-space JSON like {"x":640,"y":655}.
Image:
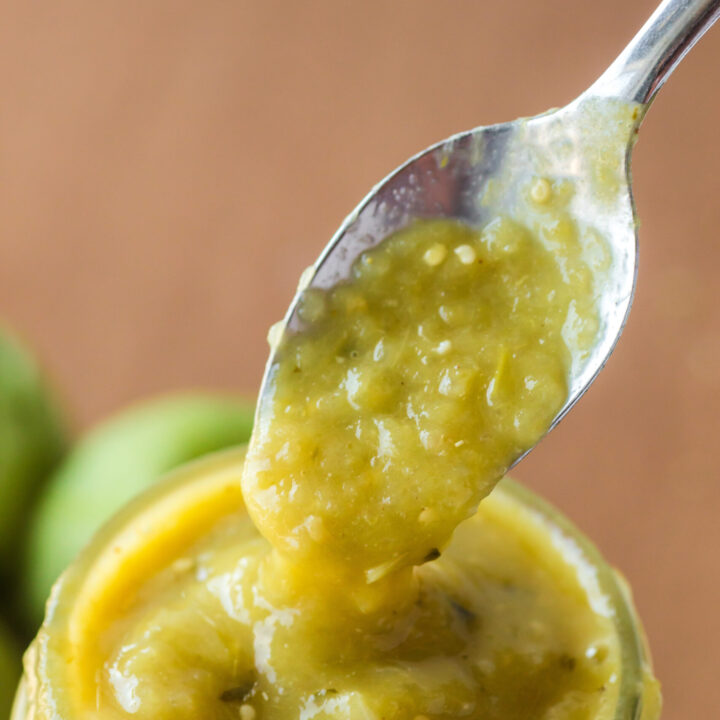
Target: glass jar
{"x":152,"y":531}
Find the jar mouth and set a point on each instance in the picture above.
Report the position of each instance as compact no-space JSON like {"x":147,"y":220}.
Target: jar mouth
{"x":206,"y":478}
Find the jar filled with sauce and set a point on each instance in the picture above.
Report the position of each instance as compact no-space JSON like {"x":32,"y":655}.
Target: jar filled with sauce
{"x":180,"y":609}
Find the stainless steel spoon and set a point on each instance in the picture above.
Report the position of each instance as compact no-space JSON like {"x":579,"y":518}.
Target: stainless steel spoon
{"x":446,"y":179}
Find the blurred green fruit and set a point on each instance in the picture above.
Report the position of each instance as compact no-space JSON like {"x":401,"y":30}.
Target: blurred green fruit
{"x":112,"y":464}
{"x":32,"y":441}
{"x":10,"y":670}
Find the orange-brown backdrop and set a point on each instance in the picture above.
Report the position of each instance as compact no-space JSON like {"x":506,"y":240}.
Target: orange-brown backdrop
{"x":167,"y":168}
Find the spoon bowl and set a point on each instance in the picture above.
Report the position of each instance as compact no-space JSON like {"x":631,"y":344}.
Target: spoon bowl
{"x":454,"y":179}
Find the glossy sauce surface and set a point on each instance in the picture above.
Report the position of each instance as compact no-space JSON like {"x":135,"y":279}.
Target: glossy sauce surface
{"x":399,"y":406}
{"x":414,"y":386}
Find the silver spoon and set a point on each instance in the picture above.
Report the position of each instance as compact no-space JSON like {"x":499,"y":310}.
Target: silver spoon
{"x":446,"y":180}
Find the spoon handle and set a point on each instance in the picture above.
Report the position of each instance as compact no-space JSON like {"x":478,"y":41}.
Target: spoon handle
{"x":663,"y":41}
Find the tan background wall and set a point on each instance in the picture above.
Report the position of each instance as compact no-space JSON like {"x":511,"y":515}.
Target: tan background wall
{"x":167,"y":168}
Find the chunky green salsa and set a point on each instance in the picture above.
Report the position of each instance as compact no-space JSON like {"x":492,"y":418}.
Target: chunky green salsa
{"x":343,"y":569}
